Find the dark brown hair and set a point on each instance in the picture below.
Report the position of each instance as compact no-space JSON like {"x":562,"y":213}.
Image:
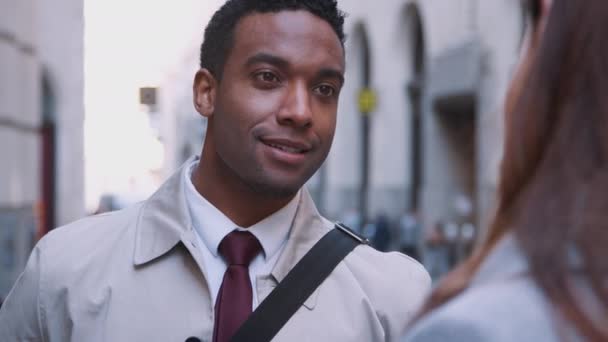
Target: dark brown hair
{"x":219,"y":33}
{"x":533,"y":7}
{"x":553,"y":189}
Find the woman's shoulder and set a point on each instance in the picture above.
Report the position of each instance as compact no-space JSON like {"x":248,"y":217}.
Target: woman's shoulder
{"x":502,"y":303}
{"x":509,"y":310}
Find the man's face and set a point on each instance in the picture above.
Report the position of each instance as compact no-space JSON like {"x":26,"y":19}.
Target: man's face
{"x":274,"y":112}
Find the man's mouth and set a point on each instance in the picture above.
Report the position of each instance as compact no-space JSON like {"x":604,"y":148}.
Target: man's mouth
{"x":285,"y":145}
{"x":286,"y":148}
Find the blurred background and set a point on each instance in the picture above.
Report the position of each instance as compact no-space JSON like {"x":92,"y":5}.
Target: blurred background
{"x":96,"y":111}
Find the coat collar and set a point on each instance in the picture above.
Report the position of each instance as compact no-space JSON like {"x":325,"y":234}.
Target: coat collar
{"x":165,"y":221}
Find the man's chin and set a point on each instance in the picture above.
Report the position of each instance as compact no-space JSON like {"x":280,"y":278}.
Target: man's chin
{"x":277,"y":190}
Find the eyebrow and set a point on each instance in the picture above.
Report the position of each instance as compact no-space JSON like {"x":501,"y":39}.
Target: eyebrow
{"x":263,"y":57}
{"x":331,"y":73}
{"x":279,"y":62}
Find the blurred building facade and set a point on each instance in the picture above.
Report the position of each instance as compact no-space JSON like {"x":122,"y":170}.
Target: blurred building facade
{"x":440,"y":71}
{"x":41,"y":124}
{"x":420,"y":118}
{"x":181,"y":128}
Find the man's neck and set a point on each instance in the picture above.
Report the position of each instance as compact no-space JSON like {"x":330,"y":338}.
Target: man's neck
{"x":236,"y":200}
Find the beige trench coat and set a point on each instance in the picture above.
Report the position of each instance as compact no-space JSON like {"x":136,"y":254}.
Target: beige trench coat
{"x":137,"y":275}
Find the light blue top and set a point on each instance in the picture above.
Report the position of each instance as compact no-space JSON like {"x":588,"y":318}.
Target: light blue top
{"x":502,"y":304}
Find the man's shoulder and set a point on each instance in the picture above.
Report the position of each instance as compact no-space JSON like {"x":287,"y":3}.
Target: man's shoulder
{"x":90,"y":229}
{"x":390,"y":287}
{"x":388,"y":271}
{"x":382,"y":262}
{"x":395,"y":284}
{"x":89,"y":242}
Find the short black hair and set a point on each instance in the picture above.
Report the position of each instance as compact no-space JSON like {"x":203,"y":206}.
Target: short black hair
{"x":219,"y":34}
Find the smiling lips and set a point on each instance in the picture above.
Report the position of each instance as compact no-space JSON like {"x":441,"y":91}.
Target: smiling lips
{"x":287,"y":145}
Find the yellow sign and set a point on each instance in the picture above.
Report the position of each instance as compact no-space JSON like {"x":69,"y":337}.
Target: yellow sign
{"x":367,"y":101}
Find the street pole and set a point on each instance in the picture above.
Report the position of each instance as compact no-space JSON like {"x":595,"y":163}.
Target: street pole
{"x":365,"y":127}
{"x":367,"y":103}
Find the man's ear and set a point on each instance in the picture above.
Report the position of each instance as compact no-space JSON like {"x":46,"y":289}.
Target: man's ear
{"x":204,"y":91}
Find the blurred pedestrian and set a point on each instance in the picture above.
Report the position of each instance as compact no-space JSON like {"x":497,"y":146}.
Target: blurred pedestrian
{"x":410,"y":230}
{"x":451,"y":236}
{"x":437,"y":251}
{"x":194,"y":260}
{"x":381,"y":237}
{"x":542,"y":273}
{"x":352,"y":219}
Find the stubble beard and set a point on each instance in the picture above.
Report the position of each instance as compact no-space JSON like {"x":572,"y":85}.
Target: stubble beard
{"x":261,"y":184}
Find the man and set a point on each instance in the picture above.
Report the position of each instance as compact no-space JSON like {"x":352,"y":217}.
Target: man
{"x":165,"y":270}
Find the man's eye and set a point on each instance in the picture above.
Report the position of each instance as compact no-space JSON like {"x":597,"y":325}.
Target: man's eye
{"x":325,"y":90}
{"x":266,"y":76}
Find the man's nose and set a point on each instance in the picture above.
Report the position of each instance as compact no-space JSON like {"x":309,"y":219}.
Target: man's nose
{"x":296,"y":110}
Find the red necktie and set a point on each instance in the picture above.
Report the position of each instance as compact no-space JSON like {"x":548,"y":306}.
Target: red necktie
{"x":235,"y":297}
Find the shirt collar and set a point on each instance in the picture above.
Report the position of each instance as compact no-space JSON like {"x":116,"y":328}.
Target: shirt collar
{"x":212,"y":225}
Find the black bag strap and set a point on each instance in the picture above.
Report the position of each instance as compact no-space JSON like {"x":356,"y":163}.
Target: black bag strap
{"x":289,"y":295}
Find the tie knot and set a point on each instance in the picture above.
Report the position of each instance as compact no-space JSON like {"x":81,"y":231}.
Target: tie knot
{"x":239,"y":248}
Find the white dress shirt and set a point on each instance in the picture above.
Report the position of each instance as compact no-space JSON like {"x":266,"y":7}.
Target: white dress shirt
{"x":211,"y":226}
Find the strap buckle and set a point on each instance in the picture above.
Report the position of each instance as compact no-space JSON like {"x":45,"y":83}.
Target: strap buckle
{"x":352,"y":234}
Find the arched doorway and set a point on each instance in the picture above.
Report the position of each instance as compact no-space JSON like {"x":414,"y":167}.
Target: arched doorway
{"x":451,"y":135}
{"x":48,"y":132}
{"x":415,"y":90}
{"x":365,"y":85}
{"x":344,"y":179}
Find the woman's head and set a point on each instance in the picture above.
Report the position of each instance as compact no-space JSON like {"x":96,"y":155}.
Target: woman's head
{"x":553,"y":189}
{"x":557,"y":112}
